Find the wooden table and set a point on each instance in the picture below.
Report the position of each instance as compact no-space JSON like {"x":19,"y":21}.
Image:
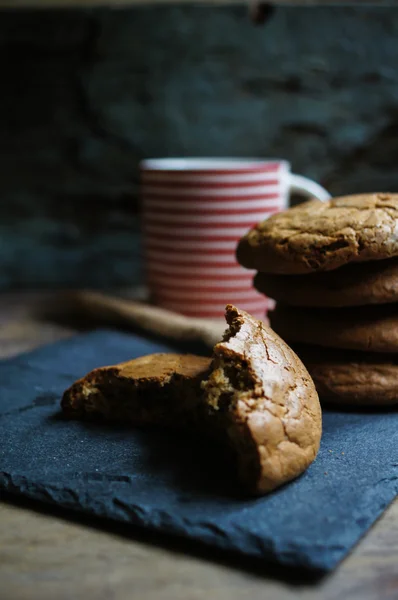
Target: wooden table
{"x":48,"y":556}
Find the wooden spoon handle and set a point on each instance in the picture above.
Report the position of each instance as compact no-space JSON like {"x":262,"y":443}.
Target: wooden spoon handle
{"x":149,"y":318}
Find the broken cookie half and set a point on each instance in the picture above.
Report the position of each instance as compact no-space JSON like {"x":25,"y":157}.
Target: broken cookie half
{"x":254,"y":394}
{"x":154,"y":389}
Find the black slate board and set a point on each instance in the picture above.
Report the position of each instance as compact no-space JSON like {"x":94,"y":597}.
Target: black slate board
{"x":172,"y":484}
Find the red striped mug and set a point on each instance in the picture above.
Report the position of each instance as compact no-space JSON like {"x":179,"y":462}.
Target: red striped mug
{"x":194,"y":211}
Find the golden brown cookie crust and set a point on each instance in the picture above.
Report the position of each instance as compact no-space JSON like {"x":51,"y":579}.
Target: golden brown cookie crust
{"x":161,"y":367}
{"x":274,"y":403}
{"x":322,"y":236}
{"x":366,"y":328}
{"x":357,"y":284}
{"x":349,"y":378}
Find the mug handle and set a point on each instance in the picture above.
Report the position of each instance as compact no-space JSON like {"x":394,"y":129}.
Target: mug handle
{"x":302,"y":185}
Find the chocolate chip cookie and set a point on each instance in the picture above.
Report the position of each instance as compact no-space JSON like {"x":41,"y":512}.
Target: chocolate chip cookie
{"x":374,"y":282}
{"x":367,"y":328}
{"x":255,"y":395}
{"x":322,"y":236}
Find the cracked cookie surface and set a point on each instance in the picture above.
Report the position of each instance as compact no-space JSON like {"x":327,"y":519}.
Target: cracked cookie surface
{"x":266,"y":401}
{"x":322,"y":236}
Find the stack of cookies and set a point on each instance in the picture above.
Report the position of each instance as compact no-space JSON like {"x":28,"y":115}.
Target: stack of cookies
{"x":332,"y":267}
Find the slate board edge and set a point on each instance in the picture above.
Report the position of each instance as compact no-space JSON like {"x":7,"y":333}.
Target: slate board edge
{"x":136,"y":516}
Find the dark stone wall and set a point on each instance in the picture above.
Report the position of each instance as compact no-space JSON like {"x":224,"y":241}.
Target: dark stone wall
{"x":85,"y":95}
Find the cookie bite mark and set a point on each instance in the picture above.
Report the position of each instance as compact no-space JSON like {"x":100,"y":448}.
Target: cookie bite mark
{"x":263,"y":399}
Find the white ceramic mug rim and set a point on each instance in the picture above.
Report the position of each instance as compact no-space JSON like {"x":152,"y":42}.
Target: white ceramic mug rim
{"x":209,"y":164}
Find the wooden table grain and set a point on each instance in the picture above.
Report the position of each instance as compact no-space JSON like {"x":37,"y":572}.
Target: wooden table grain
{"x":49,"y":555}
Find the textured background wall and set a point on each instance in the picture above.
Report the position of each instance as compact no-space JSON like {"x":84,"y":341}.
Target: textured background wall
{"x":85,"y":95}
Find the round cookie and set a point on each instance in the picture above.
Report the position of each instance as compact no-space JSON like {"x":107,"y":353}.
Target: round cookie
{"x":367,"y":328}
{"x":357,"y":284}
{"x":322,"y":236}
{"x":348,"y":378}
